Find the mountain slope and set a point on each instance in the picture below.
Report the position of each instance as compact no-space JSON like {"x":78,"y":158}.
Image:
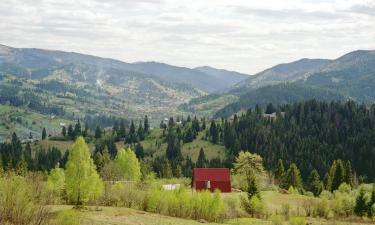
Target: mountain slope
{"x":185,"y":75}
{"x":286,"y":72}
{"x":230,"y":77}
{"x":36,"y":63}
{"x":349,"y":76}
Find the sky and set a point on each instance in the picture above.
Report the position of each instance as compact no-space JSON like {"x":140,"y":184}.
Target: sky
{"x":242,"y":35}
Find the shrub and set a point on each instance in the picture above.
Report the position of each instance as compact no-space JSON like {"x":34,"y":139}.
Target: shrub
{"x":68,"y":217}
{"x":297,"y":221}
{"x":18,"y":202}
{"x":322,"y":208}
{"x":276,"y":219}
{"x":326,"y":194}
{"x":254,"y":206}
{"x":285,"y":210}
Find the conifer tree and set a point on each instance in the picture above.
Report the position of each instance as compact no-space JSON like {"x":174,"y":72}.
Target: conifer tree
{"x":82,"y":180}
{"x":146,"y":125}
{"x":338,"y":175}
{"x":348,"y":173}
{"x":70,"y":131}
{"x":314,"y":184}
{"x":202,"y":161}
{"x":122,"y":130}
{"x":44,"y":134}
{"x":167,"y":170}
{"x":98,"y":132}
{"x":77,"y":129}
{"x":280,"y":171}
{"x":139,"y":151}
{"x":63,"y":132}
{"x":292,"y":178}
{"x":214,"y":132}
{"x":178,"y":171}
{"x":361,"y":203}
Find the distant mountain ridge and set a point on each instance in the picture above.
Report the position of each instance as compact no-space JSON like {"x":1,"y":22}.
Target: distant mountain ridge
{"x":30,"y":61}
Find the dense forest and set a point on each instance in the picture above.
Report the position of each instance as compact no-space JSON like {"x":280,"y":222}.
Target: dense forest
{"x":311,"y":134}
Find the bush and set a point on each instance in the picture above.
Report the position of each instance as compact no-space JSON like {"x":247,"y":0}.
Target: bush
{"x":297,"y":221}
{"x":285,"y":210}
{"x":68,"y":217}
{"x":276,"y":219}
{"x":254,"y":206}
{"x":19,"y":204}
{"x":322,"y":208}
{"x":326,"y":194}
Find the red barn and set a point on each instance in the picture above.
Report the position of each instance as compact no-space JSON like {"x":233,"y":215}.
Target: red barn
{"x":212,"y":179}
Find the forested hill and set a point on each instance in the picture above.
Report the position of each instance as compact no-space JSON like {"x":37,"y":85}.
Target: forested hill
{"x":312,"y":134}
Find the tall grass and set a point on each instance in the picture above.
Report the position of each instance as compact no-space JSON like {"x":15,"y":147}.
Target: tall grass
{"x":20,"y":203}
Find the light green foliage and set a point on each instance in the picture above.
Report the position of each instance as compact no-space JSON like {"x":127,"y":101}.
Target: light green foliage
{"x":128,"y":164}
{"x":276,"y":219}
{"x":322,"y":208}
{"x":69,"y":217}
{"x":343,"y":201}
{"x":285,"y":210}
{"x":19,"y":204}
{"x":293,"y":191}
{"x":248,"y":169}
{"x":326,"y":194}
{"x":297,"y":221}
{"x":254,"y":206}
{"x":82,"y":180}
{"x":56,"y":181}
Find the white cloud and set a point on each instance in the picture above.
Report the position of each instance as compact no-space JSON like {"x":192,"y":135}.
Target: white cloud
{"x":239,"y":35}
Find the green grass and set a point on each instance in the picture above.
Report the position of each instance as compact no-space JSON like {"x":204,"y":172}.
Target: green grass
{"x":188,"y":149}
{"x":24,"y":122}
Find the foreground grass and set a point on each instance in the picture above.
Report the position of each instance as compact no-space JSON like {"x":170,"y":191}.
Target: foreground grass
{"x":126,"y":216}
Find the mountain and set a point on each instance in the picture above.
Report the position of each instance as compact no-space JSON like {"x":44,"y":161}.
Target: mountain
{"x":278,"y":94}
{"x":74,"y":85}
{"x":36,"y":63}
{"x":229,"y":77}
{"x":351,"y":76}
{"x":287,"y":72}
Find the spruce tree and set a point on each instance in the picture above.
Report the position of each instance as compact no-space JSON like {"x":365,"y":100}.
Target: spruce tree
{"x":139,"y":151}
{"x":98,"y":132}
{"x":44,"y":134}
{"x":77,"y":129}
{"x":361,"y":203}
{"x":338,"y":176}
{"x":280,"y":171}
{"x":146,"y":125}
{"x":214,"y":132}
{"x":314,"y":184}
{"x":348,"y":173}
{"x":70,"y":131}
{"x":292,"y":178}
{"x":63,"y":132}
{"x":202,"y":161}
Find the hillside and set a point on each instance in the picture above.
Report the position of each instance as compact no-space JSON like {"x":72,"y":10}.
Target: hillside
{"x":229,"y":77}
{"x":350,"y":76}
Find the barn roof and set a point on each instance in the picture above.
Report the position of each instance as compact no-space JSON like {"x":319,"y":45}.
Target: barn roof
{"x":211,"y":174}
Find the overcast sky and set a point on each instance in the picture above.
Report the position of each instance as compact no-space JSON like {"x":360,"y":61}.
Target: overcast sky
{"x":242,"y":35}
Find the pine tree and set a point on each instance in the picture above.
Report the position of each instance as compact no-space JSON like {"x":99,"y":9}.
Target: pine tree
{"x":339,"y":175}
{"x":348,"y":173}
{"x":44,"y":134}
{"x":132,"y":137}
{"x":292,"y":178}
{"x":139,"y":151}
{"x":63,"y":132}
{"x":77,"y":129}
{"x":202,"y":161}
{"x":70,"y":131}
{"x":98,"y":132}
{"x":146,"y":125}
{"x":314,"y":184}
{"x":167,"y":170}
{"x":214,"y":132}
{"x":361,"y":204}
{"x":140,"y":132}
{"x":28,"y":156}
{"x":280,"y":171}
{"x":122,"y":130}
{"x":252,"y":186}
{"x":178,"y":171}
{"x":82,"y":180}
